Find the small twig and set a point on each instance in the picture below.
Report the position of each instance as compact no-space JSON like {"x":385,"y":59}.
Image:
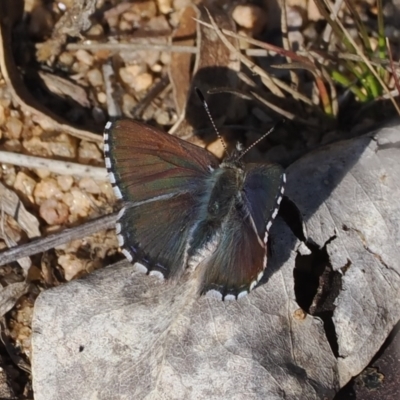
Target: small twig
{"x":59,"y":167}
{"x":57,"y":239}
{"x":118,"y":47}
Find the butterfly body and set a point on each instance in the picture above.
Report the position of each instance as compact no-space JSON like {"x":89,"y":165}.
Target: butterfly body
{"x":183,"y":210}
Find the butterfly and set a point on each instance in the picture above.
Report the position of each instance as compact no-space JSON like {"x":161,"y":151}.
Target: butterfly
{"x":183,"y":209}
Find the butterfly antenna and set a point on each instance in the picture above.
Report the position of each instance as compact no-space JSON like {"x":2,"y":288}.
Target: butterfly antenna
{"x":205,"y":105}
{"x":259,"y":140}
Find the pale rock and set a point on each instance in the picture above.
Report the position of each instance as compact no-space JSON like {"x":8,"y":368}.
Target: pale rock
{"x":89,"y":185}
{"x":250,"y":16}
{"x":14,"y":127}
{"x":66,"y":58}
{"x":78,"y":202}
{"x":95,"y":30}
{"x":95,"y":77}
{"x":42,"y":173}
{"x":46,"y":189}
{"x":165,"y":6}
{"x":65,"y":182}
{"x":84,"y":56}
{"x":64,"y":146}
{"x":142,"y":82}
{"x":128,"y":103}
{"x":37,"y":147}
{"x":89,"y":151}
{"x":71,"y":265}
{"x":102,"y":98}
{"x":25,"y":184}
{"x":54,"y":212}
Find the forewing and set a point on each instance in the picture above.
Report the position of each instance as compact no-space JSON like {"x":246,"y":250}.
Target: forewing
{"x":145,"y":163}
{"x":239,"y":260}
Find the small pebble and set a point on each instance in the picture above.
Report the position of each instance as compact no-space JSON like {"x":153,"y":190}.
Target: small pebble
{"x":125,"y":26}
{"x":71,"y":265}
{"x":46,"y":189}
{"x":251,"y":17}
{"x":84,"y":56}
{"x":142,"y":82}
{"x":128,"y":103}
{"x":14,"y":127}
{"x":42,"y":173}
{"x":95,"y":30}
{"x":8,"y":174}
{"x":65,"y":182}
{"x":54,"y":212}
{"x":164,"y":6}
{"x":165,"y":58}
{"x":89,"y":185}
{"x":146,"y":9}
{"x":13,"y":145}
{"x":88,"y":151}
{"x":101,"y":97}
{"x":79,"y":204}
{"x":63,"y":145}
{"x":95,"y":77}
{"x":25,"y":184}
{"x":66,"y":58}
{"x":162,"y":118}
{"x":129,"y":72}
{"x":37,"y":147}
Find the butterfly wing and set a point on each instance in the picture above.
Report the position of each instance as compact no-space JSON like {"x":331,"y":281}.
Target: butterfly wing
{"x":239,"y":260}
{"x":145,"y":163}
{"x":160,"y":178}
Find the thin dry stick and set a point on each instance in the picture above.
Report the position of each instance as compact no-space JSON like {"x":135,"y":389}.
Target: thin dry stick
{"x":118,"y":47}
{"x":286,"y":42}
{"x":59,"y":167}
{"x":58,"y":239}
{"x":365,"y":59}
{"x":130,"y":47}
